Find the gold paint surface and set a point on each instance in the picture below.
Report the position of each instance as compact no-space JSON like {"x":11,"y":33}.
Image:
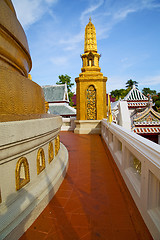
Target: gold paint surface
{"x":50,"y":152}
{"x":20,"y":182}
{"x":90,"y":42}
{"x":20,"y":98}
{"x":57,"y":145}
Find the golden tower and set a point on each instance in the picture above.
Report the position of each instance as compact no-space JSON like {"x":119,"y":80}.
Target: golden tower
{"x":91,"y":84}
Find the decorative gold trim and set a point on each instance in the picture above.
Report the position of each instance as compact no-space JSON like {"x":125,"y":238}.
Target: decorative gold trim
{"x":40,"y":164}
{"x":50,"y":152}
{"x":20,"y":182}
{"x":137,"y":165}
{"x":57,"y":145}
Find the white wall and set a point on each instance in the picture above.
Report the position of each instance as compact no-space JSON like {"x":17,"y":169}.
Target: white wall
{"x":128,"y":148}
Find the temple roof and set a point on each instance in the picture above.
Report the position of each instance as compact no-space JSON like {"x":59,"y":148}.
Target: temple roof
{"x":62,"y":110}
{"x":55,"y":93}
{"x":149,"y":115}
{"x":135,"y":95}
{"x":90,"y":43}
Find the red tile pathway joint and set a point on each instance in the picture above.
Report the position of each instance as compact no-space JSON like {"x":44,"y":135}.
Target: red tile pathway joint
{"x":93,"y":202}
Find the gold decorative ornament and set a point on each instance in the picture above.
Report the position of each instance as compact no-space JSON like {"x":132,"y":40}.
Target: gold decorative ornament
{"x":57,"y":144}
{"x":91,"y":103}
{"x":22,"y":173}
{"x":40,"y":161}
{"x":50,"y":152}
{"x":29,"y":76}
{"x":46,"y":106}
{"x":137,"y":165}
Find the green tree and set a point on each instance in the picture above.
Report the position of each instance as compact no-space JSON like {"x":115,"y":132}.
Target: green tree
{"x":130,"y":83}
{"x":147,"y":91}
{"x":156,"y":100}
{"x":67,"y":79}
{"x":119,"y":93}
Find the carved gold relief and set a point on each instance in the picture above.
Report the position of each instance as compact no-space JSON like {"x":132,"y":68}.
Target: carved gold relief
{"x":137,"y":165}
{"x":22,"y":173}
{"x":57,"y":144}
{"x":91,"y":103}
{"x":50,"y":152}
{"x":40,"y":161}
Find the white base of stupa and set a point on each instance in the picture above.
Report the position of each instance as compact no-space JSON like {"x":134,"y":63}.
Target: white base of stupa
{"x":20,"y":208}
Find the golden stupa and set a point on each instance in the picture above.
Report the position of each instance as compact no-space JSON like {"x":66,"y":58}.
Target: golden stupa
{"x":91,"y":84}
{"x":20,"y":97}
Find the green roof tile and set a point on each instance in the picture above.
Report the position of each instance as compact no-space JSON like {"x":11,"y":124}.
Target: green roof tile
{"x":54,"y":93}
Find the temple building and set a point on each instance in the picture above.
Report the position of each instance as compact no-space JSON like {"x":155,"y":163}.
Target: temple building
{"x":57,"y":98}
{"x":90,"y":87}
{"x":144,"y":120}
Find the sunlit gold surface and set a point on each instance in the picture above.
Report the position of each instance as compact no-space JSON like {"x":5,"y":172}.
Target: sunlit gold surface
{"x":57,"y":144}
{"x":90,"y":75}
{"x":46,"y":106}
{"x":20,"y":98}
{"x":90,"y":43}
{"x":50,"y":152}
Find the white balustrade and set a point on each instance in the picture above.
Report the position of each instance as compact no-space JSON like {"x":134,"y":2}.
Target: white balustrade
{"x":138,"y":160}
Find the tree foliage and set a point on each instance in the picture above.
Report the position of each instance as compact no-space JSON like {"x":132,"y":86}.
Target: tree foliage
{"x":147,"y":91}
{"x":67,"y":79}
{"x":130,"y":83}
{"x":120,"y":93}
{"x":156,"y":100}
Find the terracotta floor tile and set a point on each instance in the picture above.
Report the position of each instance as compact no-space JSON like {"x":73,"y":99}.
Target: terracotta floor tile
{"x":32,"y":235}
{"x":93,"y":202}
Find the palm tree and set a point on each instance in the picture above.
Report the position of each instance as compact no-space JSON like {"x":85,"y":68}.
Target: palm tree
{"x":130,"y":83}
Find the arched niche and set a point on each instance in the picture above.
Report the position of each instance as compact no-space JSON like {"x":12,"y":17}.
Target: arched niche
{"x":40,"y":161}
{"x":22,"y":173}
{"x":90,"y":59}
{"x":91,"y":107}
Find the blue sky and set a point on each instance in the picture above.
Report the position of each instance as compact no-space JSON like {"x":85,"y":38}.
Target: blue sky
{"x":128,"y":38}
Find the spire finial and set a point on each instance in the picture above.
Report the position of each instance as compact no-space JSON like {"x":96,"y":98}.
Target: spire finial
{"x":90,"y":19}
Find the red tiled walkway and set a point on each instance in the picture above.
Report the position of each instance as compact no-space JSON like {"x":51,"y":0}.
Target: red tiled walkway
{"x":93,"y":202}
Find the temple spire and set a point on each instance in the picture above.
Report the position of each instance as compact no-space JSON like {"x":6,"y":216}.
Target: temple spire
{"x":90,"y":43}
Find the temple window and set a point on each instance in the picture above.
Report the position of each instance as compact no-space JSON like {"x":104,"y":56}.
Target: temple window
{"x":22,"y":173}
{"x":50,"y":152}
{"x":40,"y":161}
{"x":91,"y":103}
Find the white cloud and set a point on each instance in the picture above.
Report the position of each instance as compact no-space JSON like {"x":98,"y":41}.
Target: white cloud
{"x":60,"y":61}
{"x":92,"y":8}
{"x":150,"y":80}
{"x":30,"y":11}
